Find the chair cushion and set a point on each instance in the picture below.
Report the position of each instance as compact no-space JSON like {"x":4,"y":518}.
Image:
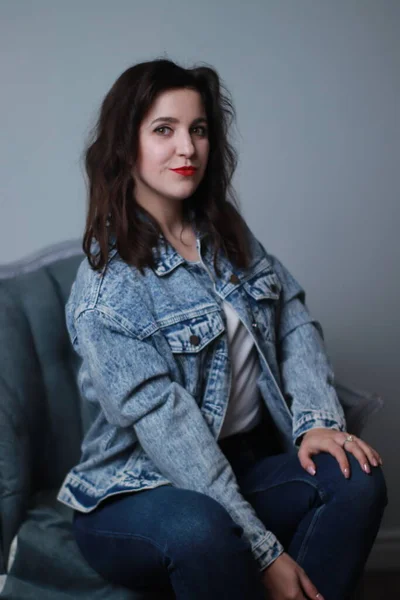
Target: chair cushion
{"x":46,"y":563}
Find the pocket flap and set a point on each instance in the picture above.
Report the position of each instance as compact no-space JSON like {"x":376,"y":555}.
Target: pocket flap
{"x":192,"y":335}
{"x":264,"y":286}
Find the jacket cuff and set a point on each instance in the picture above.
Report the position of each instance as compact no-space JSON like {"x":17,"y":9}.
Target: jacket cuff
{"x":267,"y":551}
{"x":315,"y":418}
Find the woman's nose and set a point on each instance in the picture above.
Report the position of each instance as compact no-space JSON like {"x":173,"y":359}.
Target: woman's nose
{"x":185,"y":145}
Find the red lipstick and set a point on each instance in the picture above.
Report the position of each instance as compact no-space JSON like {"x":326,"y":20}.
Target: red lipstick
{"x":186,"y":171}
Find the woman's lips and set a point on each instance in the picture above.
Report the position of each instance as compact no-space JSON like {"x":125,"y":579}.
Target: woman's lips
{"x":187,"y":171}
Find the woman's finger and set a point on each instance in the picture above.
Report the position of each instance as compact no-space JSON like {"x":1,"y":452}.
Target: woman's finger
{"x":373,"y":456}
{"x":306,"y":462}
{"x":325,"y":445}
{"x":308,"y":587}
{"x":340,"y":455}
{"x":356,"y":450}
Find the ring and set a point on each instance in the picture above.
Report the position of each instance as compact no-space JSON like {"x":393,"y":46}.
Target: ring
{"x":349,"y":438}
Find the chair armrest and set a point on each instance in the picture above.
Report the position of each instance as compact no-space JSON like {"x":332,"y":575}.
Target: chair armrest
{"x":15,"y":477}
{"x":358,"y":406}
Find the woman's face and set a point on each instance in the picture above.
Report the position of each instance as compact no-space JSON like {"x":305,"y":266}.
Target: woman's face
{"x":173,"y":134}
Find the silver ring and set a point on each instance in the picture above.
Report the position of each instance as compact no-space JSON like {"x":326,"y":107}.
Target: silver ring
{"x":349,"y":438}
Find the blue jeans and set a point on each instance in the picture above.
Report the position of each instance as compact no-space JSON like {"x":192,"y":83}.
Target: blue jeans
{"x":184,"y":544}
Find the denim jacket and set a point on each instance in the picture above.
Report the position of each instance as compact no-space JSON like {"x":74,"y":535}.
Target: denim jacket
{"x":156,"y":370}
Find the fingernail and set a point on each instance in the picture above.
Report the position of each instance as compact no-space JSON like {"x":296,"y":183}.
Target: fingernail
{"x":346,"y":472}
{"x":311,"y":470}
{"x":381,"y":461}
{"x":366,"y":468}
{"x":374,"y":462}
{"x":319,"y":597}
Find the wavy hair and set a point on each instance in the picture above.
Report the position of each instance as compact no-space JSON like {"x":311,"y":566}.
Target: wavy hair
{"x":114,"y":216}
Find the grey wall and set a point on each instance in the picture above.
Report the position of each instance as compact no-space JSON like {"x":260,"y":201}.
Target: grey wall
{"x":316,"y":87}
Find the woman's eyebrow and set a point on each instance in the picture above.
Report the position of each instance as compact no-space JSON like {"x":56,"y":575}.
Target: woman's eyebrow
{"x":174,"y":120}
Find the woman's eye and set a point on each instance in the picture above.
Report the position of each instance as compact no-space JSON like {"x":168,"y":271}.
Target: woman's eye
{"x":203,"y":130}
{"x":160,"y":128}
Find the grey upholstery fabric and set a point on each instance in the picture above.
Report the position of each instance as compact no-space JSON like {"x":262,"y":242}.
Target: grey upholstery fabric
{"x":42,"y":421}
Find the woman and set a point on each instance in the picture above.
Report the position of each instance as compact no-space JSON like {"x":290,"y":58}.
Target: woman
{"x":217,"y":464}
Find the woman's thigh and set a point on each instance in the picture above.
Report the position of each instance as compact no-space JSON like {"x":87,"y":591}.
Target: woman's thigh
{"x":164,"y":538}
{"x":124,"y":540}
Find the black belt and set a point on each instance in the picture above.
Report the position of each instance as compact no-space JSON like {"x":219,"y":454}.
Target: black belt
{"x":263,"y":438}
{"x":258,"y":432}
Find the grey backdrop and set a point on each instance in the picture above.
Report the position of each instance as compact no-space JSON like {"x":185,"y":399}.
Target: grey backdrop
{"x":316,"y":86}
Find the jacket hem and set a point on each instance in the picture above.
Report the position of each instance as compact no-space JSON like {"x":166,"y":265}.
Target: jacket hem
{"x":77,"y":499}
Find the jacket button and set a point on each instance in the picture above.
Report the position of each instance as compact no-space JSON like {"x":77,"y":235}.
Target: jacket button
{"x":254,"y":325}
{"x":234,"y":278}
{"x":194,"y":340}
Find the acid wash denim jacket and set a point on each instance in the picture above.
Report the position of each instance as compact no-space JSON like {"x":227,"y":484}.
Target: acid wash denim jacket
{"x":156,"y":370}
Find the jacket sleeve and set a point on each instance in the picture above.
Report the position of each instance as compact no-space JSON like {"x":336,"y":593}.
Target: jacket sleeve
{"x":306,"y":370}
{"x":133,"y":385}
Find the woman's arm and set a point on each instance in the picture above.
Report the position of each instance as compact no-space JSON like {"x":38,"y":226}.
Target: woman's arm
{"x":307,"y":376}
{"x":306,"y":370}
{"x":133,"y":385}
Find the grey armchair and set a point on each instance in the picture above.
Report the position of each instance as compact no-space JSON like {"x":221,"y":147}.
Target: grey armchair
{"x":42,"y":422}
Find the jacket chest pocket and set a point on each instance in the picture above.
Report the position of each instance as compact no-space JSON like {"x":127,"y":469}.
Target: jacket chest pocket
{"x":263,"y":291}
{"x":191,"y":342}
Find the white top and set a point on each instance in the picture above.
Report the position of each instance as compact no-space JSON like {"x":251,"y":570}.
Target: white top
{"x":244,"y":409}
{"x":245,"y":405}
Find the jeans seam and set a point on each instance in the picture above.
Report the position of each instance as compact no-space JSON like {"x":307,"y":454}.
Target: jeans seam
{"x":310,"y":529}
{"x":320,"y":491}
{"x":120,"y":535}
{"x":176,"y":569}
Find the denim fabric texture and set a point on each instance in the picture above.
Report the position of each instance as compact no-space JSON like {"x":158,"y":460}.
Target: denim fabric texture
{"x":186,"y":545}
{"x":156,"y":369}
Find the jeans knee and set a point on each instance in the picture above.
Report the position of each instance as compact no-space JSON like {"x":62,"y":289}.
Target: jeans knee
{"x":370,"y":488}
{"x":379,"y":487}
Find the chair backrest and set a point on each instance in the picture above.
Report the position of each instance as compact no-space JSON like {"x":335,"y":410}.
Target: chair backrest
{"x":38,"y":367}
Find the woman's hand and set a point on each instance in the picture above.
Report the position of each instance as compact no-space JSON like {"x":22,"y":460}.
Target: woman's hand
{"x":322,"y":439}
{"x":284,"y":579}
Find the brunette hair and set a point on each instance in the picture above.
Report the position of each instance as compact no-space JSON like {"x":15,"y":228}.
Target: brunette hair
{"x":113,"y":213}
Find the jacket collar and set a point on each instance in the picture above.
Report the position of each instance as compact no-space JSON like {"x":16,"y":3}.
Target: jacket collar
{"x":166,"y":257}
